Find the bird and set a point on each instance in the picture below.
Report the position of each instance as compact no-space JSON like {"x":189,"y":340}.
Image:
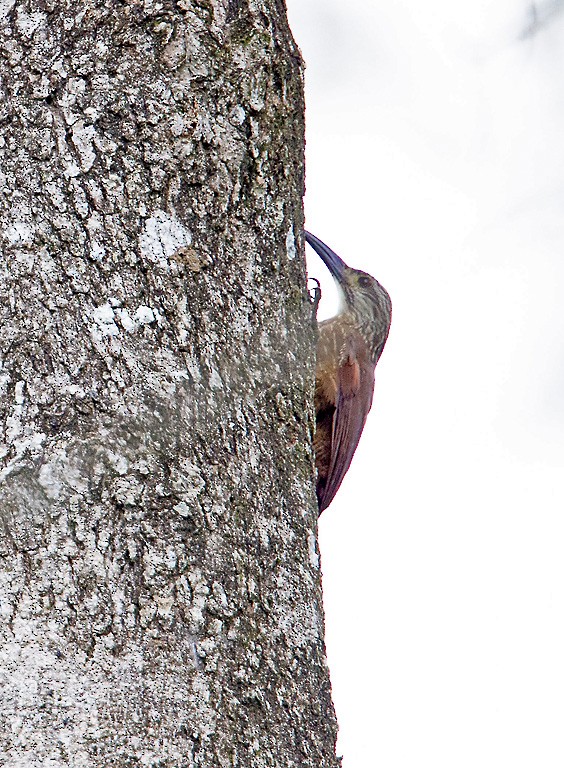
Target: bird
{"x":349,"y":346}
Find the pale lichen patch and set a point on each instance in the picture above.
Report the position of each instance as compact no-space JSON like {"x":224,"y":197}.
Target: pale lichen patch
{"x":312,"y":549}
{"x":28,"y":23}
{"x":104,"y":318}
{"x":237,"y":115}
{"x":183,"y":509}
{"x":19,"y":392}
{"x":19,"y":233}
{"x":82,"y":138}
{"x":161,"y":237}
{"x":144,"y":315}
{"x":49,"y":481}
{"x":5,"y":7}
{"x":97,"y":251}
{"x":291,"y":243}
{"x":215,"y":379}
{"x":125,"y":319}
{"x":106,"y":315}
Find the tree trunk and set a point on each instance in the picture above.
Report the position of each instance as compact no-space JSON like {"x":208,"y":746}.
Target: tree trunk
{"x":160,"y":599}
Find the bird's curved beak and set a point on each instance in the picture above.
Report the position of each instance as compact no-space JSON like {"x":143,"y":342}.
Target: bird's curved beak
{"x":334,"y":263}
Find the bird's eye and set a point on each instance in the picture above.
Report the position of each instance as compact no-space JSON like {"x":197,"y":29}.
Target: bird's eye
{"x":364,"y":281}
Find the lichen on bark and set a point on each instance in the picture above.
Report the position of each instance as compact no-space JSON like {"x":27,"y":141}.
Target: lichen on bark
{"x":160,"y":597}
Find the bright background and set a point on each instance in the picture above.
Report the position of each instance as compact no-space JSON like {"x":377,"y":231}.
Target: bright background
{"x":435,"y":161}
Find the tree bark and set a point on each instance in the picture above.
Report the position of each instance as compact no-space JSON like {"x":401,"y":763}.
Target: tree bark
{"x":160,"y":600}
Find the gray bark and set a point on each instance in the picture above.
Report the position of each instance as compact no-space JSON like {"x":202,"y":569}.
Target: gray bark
{"x":160,"y":599}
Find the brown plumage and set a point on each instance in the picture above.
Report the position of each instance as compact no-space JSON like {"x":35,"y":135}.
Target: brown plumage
{"x":349,"y":346}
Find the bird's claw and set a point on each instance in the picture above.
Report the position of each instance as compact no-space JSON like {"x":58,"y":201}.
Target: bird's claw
{"x":315,"y":294}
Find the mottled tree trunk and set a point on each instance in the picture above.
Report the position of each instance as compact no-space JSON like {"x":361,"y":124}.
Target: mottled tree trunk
{"x":160,"y":600}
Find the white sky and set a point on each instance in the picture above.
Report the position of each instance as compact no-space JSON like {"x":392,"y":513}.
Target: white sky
{"x":435,"y":161}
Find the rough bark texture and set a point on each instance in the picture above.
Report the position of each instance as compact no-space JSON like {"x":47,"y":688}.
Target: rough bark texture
{"x":160,"y":601}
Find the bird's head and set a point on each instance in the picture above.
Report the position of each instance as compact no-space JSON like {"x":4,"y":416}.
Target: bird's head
{"x":364,"y":298}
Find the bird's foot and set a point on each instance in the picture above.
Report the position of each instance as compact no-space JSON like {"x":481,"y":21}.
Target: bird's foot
{"x":314,"y":294}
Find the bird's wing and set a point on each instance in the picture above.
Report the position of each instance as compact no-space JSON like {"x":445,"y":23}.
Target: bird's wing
{"x":354,"y":398}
